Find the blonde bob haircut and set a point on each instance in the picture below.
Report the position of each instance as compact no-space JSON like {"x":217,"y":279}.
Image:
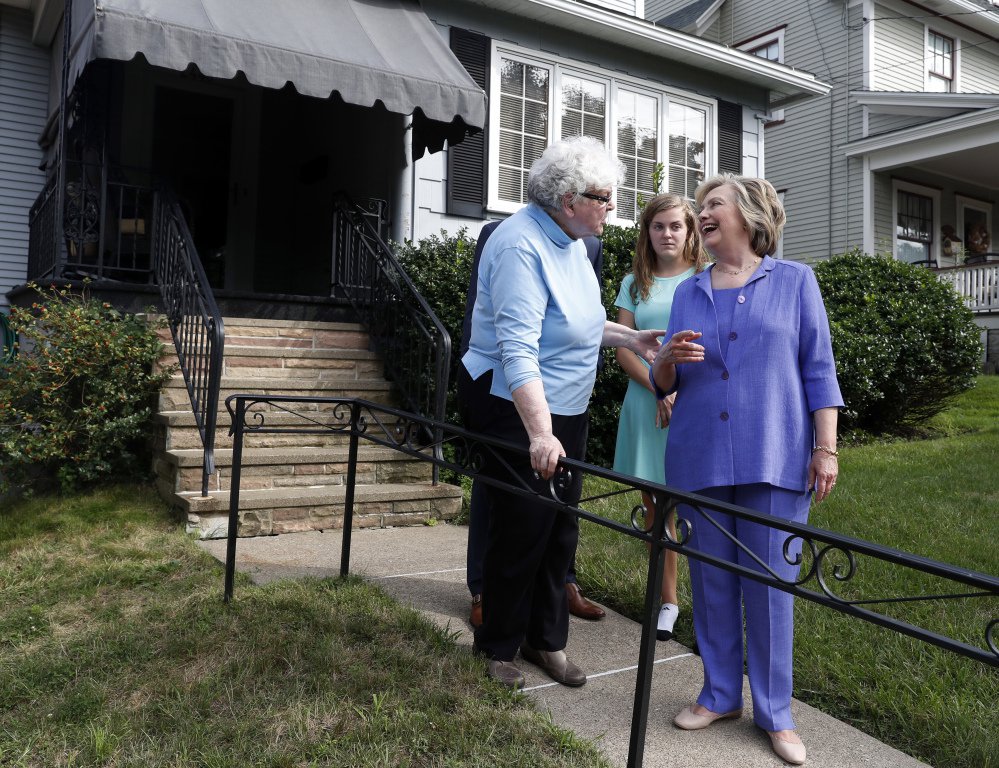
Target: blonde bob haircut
{"x":759,"y":205}
{"x":645,"y":257}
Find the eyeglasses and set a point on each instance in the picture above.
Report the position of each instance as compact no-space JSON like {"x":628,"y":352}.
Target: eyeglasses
{"x":603,"y":199}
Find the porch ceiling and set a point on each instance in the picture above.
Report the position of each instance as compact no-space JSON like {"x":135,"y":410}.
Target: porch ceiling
{"x":367,"y":51}
{"x":965,"y":148}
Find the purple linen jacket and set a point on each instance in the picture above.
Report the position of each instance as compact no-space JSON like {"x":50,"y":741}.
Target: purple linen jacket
{"x":746,"y":418}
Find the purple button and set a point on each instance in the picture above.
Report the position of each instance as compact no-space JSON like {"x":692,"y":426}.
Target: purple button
{"x":724,"y":375}
{"x":724,"y":415}
{"x":733,"y":336}
{"x":741,"y":299}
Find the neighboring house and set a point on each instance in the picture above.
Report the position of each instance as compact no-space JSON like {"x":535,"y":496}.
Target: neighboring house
{"x":901,"y":158}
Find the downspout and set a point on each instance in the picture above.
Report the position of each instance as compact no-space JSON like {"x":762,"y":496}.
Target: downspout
{"x":402,"y":203}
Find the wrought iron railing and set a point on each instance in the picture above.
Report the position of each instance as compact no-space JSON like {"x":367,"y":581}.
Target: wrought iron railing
{"x":412,"y":341}
{"x":193,"y":317}
{"x":106,"y":226}
{"x":831,"y":563}
{"x":978,"y":284}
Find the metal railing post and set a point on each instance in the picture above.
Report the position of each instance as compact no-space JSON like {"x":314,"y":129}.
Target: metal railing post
{"x":647,"y":647}
{"x":348,"y":499}
{"x":238,"y":422}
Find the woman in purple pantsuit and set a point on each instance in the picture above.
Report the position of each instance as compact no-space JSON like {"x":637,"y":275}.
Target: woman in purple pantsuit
{"x":754,"y":424}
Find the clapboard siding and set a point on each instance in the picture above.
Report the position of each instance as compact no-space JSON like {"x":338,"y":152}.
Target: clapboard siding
{"x":878,"y":124}
{"x":979,"y":70}
{"x":623,"y":6}
{"x":899,"y":49}
{"x":24,"y":86}
{"x":799,"y":160}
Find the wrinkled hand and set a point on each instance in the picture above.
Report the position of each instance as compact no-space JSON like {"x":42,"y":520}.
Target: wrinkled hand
{"x":645,"y":344}
{"x":822,"y":473}
{"x":546,"y":450}
{"x":664,"y":411}
{"x":681,"y":349}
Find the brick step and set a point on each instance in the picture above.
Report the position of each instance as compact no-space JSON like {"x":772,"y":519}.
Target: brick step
{"x":269,"y":512}
{"x":177,"y":430}
{"x":290,"y":467}
{"x":174,"y":397}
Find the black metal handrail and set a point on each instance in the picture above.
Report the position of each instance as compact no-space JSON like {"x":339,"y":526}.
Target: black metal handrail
{"x":831,"y":560}
{"x":404,"y":330}
{"x":193,"y":317}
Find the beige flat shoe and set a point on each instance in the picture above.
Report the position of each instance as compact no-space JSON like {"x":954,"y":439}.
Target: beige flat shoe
{"x":689,"y":720}
{"x":788,"y":751}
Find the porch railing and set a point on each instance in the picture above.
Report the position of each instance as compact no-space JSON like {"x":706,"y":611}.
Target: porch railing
{"x":194,"y":319}
{"x":833,"y":567}
{"x":977,"y":283}
{"x":106,"y":228}
{"x":412,"y":341}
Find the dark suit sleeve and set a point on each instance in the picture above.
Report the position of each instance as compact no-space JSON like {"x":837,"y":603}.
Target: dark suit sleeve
{"x":473,"y":287}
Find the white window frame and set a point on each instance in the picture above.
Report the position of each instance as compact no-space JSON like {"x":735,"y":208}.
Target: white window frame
{"x":898,"y":185}
{"x":558,"y":66}
{"x":928,"y":74}
{"x":762,"y":41}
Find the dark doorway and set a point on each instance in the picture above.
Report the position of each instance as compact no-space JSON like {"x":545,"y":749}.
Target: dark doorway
{"x":192,"y":144}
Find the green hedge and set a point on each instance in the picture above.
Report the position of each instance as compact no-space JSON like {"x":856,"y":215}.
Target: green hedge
{"x":905,"y":343}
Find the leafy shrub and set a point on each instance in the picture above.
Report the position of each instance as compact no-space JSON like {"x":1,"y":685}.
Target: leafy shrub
{"x":905,"y":344}
{"x":75,"y":403}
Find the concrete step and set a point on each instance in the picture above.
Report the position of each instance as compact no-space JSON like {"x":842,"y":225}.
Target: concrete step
{"x":174,"y":397}
{"x":264,"y":512}
{"x":274,"y":361}
{"x":290,"y":467}
{"x":177,"y":430}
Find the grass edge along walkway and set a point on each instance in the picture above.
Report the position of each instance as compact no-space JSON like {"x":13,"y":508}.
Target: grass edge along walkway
{"x":116,"y":650}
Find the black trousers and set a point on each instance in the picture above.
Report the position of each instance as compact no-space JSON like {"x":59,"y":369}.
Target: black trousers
{"x":530,"y":546}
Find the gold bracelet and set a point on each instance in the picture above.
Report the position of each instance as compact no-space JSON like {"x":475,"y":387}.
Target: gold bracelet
{"x":826,"y":449}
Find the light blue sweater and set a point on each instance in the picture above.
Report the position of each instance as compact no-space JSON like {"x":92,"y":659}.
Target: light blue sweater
{"x":537,"y":314}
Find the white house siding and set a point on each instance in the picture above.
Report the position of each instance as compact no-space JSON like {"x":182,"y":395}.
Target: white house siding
{"x":24,"y":84}
{"x":979,"y":68}
{"x":899,"y":50}
{"x":622,"y":6}
{"x":429,"y":206}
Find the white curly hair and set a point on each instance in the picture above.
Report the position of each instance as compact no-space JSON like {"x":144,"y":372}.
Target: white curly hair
{"x":571,"y":166}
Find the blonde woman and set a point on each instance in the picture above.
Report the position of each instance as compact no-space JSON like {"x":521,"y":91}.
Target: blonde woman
{"x":667,"y":253}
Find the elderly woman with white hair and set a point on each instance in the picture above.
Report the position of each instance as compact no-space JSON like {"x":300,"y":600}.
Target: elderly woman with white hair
{"x":537,"y":328}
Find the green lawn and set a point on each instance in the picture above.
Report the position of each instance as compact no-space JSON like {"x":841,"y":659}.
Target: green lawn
{"x":937,"y":497}
{"x":116,"y":650}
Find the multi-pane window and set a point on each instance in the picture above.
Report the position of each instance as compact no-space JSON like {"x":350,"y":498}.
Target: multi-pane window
{"x":913,"y":226}
{"x":637,"y":148}
{"x":584,"y":108}
{"x":687,"y":128}
{"x":940,"y":59}
{"x":523,"y":124}
{"x":769,"y":50}
{"x":543,"y":100}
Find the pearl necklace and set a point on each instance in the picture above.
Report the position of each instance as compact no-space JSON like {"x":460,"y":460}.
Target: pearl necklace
{"x":752,"y":265}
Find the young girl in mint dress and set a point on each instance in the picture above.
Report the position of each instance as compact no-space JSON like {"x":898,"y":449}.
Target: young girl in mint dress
{"x":667,"y":253}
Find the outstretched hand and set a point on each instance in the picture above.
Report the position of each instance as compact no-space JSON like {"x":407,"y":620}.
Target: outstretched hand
{"x":681,"y":349}
{"x":645,"y":344}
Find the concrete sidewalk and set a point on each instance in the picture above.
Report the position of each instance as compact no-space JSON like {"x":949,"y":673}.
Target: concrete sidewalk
{"x":425,"y":568}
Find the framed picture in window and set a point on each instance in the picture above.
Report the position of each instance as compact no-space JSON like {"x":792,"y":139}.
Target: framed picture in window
{"x":974,"y":223}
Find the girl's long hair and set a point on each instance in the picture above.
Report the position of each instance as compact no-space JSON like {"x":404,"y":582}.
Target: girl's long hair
{"x":645,"y":257}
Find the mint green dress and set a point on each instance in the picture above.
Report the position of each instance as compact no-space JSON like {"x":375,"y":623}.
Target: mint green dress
{"x":641,"y":445}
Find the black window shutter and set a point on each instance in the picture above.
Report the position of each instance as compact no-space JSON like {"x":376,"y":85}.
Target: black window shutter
{"x":468,"y":160}
{"x":729,"y":137}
